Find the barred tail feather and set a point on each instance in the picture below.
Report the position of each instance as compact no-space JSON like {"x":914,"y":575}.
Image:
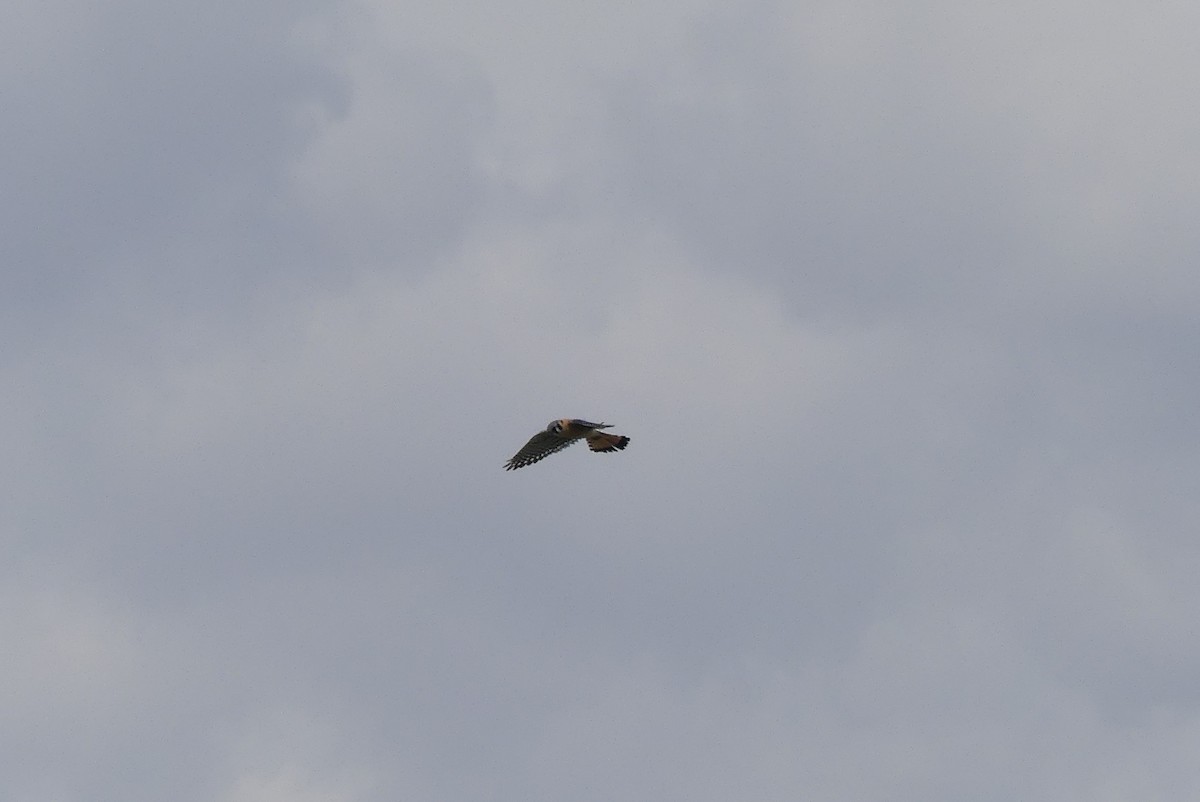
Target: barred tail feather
{"x":601,"y":441}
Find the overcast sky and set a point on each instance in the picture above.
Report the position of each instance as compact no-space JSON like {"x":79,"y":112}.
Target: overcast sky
{"x":899,"y":304}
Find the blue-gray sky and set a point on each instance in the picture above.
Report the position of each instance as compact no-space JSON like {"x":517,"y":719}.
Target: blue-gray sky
{"x":899,"y":305}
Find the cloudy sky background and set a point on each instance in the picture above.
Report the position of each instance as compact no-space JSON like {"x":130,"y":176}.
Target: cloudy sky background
{"x":899,"y":305}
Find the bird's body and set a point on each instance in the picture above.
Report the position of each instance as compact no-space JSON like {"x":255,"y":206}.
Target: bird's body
{"x":560,"y":434}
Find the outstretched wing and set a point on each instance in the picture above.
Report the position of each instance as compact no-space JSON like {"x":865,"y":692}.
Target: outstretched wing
{"x":540,"y":446}
{"x":600,"y":441}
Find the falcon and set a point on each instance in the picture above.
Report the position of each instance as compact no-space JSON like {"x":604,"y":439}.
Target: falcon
{"x":560,"y":434}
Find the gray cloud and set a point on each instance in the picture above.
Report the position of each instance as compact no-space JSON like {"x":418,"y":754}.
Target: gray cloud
{"x":896,"y":311}
{"x":141,"y":134}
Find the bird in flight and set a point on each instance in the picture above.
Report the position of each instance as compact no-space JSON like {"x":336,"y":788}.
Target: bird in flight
{"x":560,"y":434}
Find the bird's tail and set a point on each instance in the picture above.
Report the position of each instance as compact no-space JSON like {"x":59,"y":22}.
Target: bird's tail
{"x":602,"y":441}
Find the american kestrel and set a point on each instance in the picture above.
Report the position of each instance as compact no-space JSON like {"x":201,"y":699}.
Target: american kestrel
{"x":560,"y":434}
